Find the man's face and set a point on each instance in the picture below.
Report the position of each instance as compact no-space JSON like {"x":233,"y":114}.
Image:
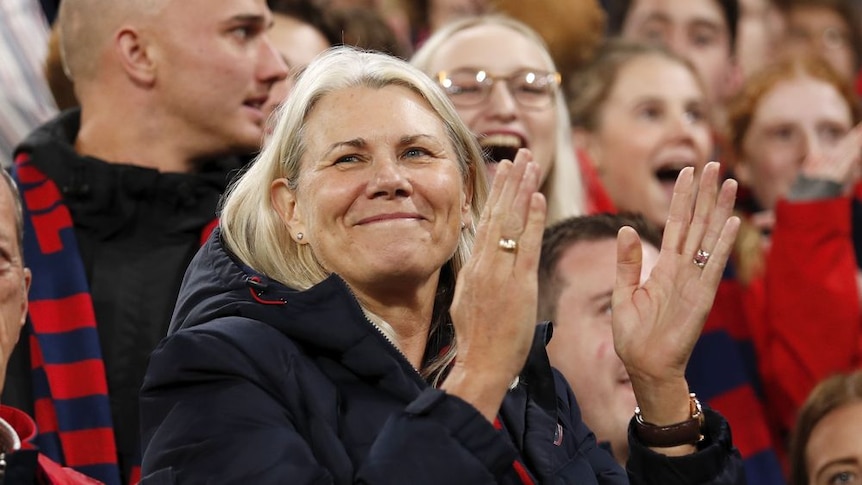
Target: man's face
{"x":14,"y":280}
{"x":214,"y":66}
{"x":583,"y":344}
{"x":694,"y":29}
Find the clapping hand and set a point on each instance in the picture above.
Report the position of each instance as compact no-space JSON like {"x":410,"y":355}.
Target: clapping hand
{"x":496,"y":295}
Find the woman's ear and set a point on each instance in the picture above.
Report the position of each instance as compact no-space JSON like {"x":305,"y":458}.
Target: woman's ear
{"x":284,"y":201}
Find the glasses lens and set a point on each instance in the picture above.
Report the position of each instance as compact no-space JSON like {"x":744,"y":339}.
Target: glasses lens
{"x":533,"y":89}
{"x":465,"y":87}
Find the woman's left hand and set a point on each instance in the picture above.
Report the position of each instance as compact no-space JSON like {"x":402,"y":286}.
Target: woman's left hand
{"x":656,"y":324}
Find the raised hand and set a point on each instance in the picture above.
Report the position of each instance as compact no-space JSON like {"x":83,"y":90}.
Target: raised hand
{"x":496,"y":295}
{"x":839,"y":164}
{"x":656,"y":324}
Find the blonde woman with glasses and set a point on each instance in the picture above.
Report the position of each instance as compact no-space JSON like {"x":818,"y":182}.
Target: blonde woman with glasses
{"x":505,"y":86}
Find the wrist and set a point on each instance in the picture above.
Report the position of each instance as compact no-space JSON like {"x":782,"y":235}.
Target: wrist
{"x":685,"y":433}
{"x":484,"y":391}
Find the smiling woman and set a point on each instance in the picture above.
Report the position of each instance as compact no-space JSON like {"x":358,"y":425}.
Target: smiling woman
{"x":316,"y":334}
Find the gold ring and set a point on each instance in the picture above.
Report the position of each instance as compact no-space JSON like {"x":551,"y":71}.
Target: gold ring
{"x":508,"y":245}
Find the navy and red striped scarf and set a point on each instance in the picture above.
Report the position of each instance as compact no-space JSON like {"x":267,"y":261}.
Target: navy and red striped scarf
{"x":72,"y":409}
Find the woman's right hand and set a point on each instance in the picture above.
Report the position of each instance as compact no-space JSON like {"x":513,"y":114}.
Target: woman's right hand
{"x":496,"y":295}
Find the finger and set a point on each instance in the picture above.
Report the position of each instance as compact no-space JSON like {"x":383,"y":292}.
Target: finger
{"x":703,"y":209}
{"x":714,"y":269}
{"x":530,"y":245}
{"x":680,"y":211}
{"x":512,"y":185}
{"x":482,"y":236}
{"x":721,"y":213}
{"x":629,"y":261}
{"x":518,"y":213}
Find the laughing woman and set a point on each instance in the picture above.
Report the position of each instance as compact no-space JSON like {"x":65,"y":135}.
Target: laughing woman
{"x":504,"y":85}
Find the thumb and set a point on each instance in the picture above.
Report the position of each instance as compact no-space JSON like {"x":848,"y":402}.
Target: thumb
{"x":629,"y":260}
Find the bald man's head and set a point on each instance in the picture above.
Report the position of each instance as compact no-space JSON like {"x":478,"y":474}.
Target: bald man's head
{"x":87,"y":28}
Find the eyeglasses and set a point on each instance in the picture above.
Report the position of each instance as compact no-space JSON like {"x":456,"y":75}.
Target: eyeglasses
{"x":830,"y":37}
{"x":469,"y":87}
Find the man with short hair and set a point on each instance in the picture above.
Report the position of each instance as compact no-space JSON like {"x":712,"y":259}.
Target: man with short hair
{"x":118,"y":197}
{"x":576,"y":281}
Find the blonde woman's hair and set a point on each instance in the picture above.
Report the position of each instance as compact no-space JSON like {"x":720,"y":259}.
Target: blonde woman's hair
{"x":251,"y":227}
{"x":563,"y":187}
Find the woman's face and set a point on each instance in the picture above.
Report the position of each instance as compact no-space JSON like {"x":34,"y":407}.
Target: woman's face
{"x":833,"y":454}
{"x":380,"y":197}
{"x":501,"y":121}
{"x":652,"y":125}
{"x":795,"y":118}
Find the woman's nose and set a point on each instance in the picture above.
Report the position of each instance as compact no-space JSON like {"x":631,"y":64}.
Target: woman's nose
{"x":501,"y":101}
{"x":388,"y":179}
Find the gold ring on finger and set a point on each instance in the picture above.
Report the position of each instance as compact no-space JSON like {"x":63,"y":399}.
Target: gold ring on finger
{"x":508,"y":245}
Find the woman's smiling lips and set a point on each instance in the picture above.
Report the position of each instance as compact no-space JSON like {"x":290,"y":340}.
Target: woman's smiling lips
{"x":389,"y":217}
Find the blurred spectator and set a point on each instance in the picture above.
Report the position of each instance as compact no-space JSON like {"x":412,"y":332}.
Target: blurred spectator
{"x":300,"y":31}
{"x":504,"y":84}
{"x":795,"y":128}
{"x":641,"y":114}
{"x":25,"y":101}
{"x":572,"y":29}
{"x":118,"y":196}
{"x":826,"y":448}
{"x":367,"y":29}
{"x":827,"y":28}
{"x":759,"y":35}
{"x":428,"y":16}
{"x":702,"y":31}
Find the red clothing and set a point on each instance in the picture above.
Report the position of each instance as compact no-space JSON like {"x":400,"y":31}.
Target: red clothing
{"x":598,"y":200}
{"x":47,"y":472}
{"x":804,"y":311}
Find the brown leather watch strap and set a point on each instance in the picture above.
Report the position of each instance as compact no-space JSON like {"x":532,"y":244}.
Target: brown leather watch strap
{"x":687,"y":432}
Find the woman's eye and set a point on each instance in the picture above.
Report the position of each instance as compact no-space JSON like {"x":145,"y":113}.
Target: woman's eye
{"x":782,"y":133}
{"x":695,"y":115}
{"x":842,"y":478}
{"x":346,"y":159}
{"x":415,"y":152}
{"x":833,"y":133}
{"x":650,"y":112}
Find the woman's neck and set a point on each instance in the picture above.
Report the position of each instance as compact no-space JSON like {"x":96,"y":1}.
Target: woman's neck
{"x":405,"y":317}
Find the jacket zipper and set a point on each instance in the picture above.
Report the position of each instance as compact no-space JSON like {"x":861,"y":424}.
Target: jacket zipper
{"x":398,"y":352}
